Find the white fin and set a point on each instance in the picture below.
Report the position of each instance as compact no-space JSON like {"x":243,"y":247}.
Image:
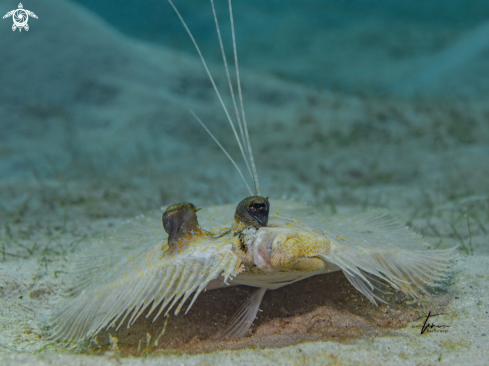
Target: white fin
{"x":376,"y":246}
{"x":373,"y":293}
{"x":244,"y":317}
{"x":113,"y":288}
{"x":95,"y":262}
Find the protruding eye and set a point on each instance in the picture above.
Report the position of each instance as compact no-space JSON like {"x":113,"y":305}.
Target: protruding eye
{"x":253,"y":211}
{"x":179,"y":219}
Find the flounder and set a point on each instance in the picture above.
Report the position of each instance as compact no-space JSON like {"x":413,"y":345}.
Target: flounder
{"x":137,"y":267}
{"x":263,"y":243}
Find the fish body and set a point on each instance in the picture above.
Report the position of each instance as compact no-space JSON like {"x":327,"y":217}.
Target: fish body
{"x":134,"y":270}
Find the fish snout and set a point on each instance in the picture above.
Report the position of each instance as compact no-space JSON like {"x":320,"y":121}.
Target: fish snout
{"x":275,"y":248}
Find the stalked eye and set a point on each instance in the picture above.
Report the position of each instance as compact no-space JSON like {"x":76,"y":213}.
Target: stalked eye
{"x":180,"y":220}
{"x":253,"y":211}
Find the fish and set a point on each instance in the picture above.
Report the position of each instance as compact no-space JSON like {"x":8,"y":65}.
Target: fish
{"x":153,"y":264}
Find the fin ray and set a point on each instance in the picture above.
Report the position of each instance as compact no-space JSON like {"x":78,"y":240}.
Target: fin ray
{"x":244,"y":317}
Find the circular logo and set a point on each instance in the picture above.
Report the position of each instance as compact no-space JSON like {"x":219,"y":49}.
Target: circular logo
{"x":20,"y":18}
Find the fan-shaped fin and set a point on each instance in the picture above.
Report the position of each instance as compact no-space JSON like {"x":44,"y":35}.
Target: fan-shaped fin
{"x":375,"y":247}
{"x":128,"y":289}
{"x":376,"y":229}
{"x":96,"y":262}
{"x":369,"y":286}
{"x":408,"y":271}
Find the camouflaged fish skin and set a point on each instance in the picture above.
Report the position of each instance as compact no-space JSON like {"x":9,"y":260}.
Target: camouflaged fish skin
{"x":133,"y":269}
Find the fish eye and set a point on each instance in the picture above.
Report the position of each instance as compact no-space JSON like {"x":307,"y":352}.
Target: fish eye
{"x":258,"y":206}
{"x":179,"y":219}
{"x":253,"y":211}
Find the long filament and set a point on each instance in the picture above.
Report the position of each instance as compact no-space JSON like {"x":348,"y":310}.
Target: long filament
{"x":217,"y":93}
{"x":240,"y":124}
{"x":223,"y":149}
{"x":252,"y":161}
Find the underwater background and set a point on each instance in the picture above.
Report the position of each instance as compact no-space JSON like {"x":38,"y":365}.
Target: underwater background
{"x":351,"y":105}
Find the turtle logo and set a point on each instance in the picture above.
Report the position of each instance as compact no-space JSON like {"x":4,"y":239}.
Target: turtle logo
{"x":20,"y":17}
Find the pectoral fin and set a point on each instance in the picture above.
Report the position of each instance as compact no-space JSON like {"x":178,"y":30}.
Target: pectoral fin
{"x":150,"y":278}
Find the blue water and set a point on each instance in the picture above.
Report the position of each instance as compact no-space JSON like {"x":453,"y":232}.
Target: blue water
{"x":279,"y":36}
{"x":86,"y":99}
